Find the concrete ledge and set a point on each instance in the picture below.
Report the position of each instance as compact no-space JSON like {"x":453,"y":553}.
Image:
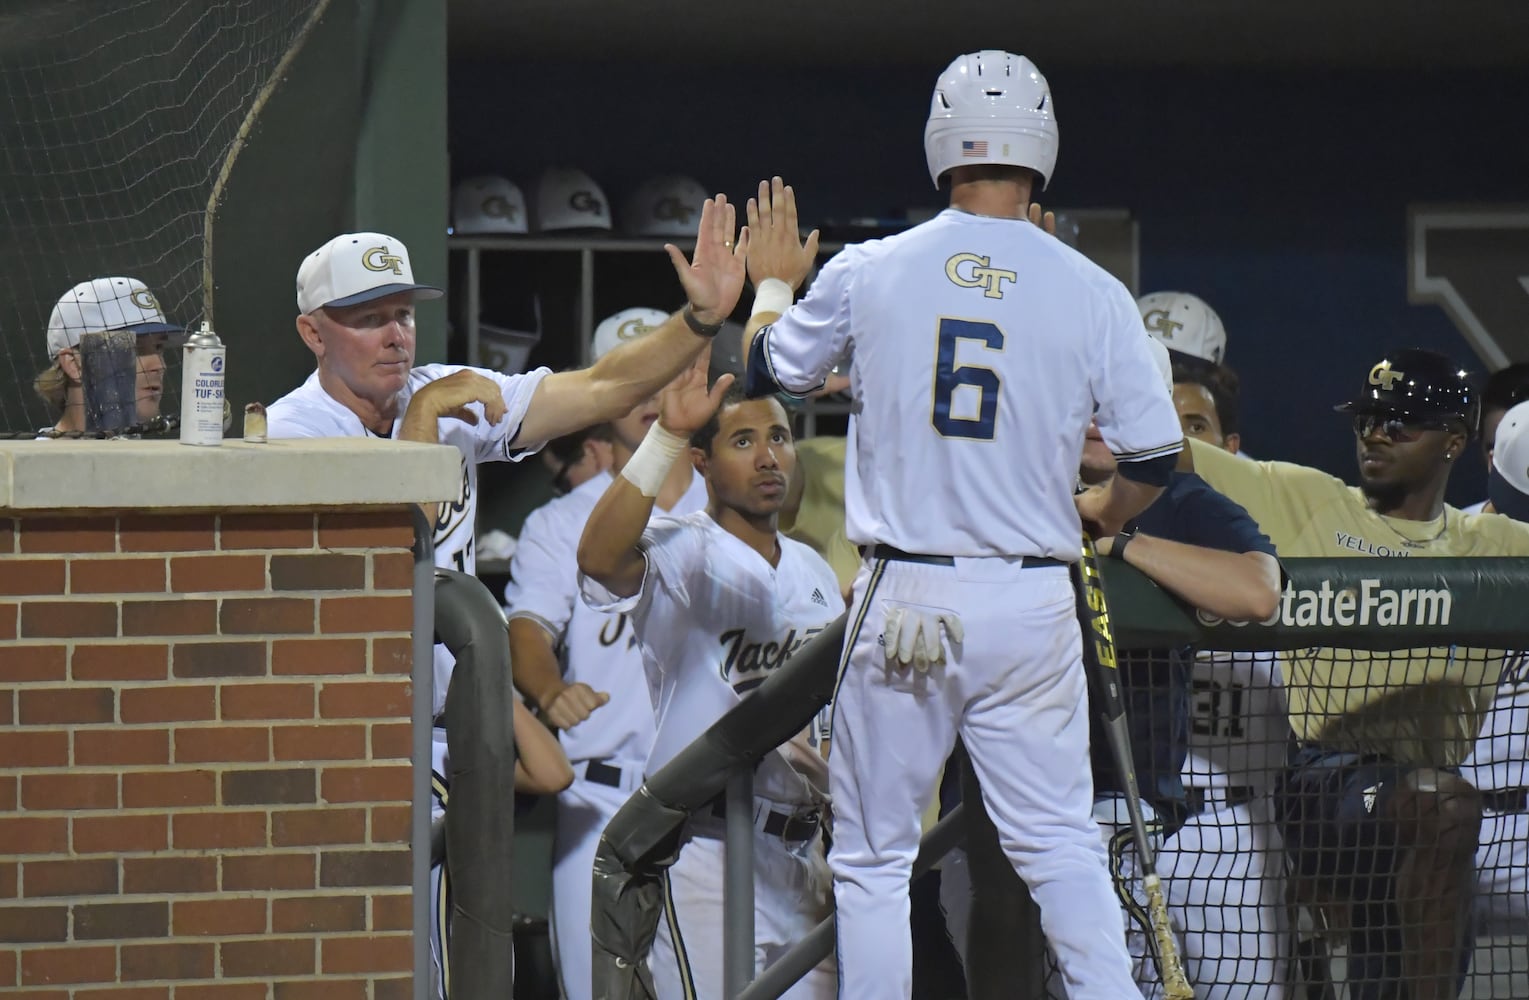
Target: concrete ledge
{"x":301,"y":472}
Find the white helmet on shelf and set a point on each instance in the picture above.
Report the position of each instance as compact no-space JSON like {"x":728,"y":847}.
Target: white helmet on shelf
{"x":488,"y":205}
{"x":991,"y":107}
{"x":667,"y":205}
{"x":568,"y":198}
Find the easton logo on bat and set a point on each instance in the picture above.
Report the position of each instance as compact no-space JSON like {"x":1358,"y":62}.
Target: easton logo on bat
{"x":1367,"y":604}
{"x":1099,"y":616}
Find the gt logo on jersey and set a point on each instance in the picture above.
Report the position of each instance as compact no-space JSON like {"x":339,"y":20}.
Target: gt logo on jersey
{"x":1157,"y":321}
{"x":982,"y":275}
{"x":499,"y":207}
{"x":672,"y":208}
{"x":144,"y":299}
{"x":378,"y":259}
{"x":1385,"y":376}
{"x":585,"y":201}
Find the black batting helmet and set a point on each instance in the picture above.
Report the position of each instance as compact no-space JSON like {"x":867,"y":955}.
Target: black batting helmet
{"x":1418,"y":384}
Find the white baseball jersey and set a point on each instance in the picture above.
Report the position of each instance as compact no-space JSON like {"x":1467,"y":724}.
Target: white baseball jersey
{"x":1239,"y":735}
{"x":600,"y":649}
{"x":309,"y":411}
{"x":979,"y":347}
{"x":1499,"y":761}
{"x":713,"y":619}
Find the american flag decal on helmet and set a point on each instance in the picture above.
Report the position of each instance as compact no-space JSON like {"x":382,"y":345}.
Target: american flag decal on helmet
{"x":974,"y":148}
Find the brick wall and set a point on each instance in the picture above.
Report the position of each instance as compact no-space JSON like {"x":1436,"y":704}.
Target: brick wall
{"x":204,"y":756}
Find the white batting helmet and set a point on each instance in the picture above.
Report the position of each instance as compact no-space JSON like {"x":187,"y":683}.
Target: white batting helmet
{"x":488,"y":205}
{"x":568,"y":198}
{"x":669,"y":205}
{"x":1185,"y":324}
{"x":991,"y":107}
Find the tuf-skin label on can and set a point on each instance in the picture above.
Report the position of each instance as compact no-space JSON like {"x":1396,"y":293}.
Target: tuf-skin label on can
{"x":202,"y":392}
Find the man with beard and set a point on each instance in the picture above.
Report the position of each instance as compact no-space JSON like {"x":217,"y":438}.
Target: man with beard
{"x":1372,"y":808}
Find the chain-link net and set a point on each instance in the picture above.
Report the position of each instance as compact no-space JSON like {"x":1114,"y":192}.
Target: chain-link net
{"x":120,"y":118}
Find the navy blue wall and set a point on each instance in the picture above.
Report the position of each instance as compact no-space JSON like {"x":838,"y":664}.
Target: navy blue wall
{"x":1281,"y":199}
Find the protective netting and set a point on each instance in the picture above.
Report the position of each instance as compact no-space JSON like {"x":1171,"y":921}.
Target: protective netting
{"x":119,"y":116}
{"x":1349,"y":823}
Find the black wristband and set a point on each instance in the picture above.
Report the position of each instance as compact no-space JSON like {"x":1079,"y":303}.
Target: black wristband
{"x":697,"y":327}
{"x":1118,"y":546}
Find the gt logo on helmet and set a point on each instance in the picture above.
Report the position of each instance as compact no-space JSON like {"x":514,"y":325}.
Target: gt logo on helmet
{"x":672,"y":208}
{"x":498,"y":207}
{"x":584,"y":201}
{"x":989,"y":279}
{"x":1158,"y":322}
{"x":1385,"y":376}
{"x":378,"y":259}
{"x":144,"y":299}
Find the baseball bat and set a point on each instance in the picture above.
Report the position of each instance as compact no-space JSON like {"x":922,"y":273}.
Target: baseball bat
{"x":1100,"y":664}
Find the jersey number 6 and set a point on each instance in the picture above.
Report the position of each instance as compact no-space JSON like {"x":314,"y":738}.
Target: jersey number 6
{"x":949,"y":376}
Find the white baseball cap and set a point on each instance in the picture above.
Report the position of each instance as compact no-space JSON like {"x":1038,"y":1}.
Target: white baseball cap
{"x":1186,"y":325}
{"x":488,"y":205}
{"x":1508,"y":484}
{"x":623,"y":326}
{"x":568,"y":198}
{"x":103,"y":304}
{"x":667,"y":205}
{"x":357,"y":267}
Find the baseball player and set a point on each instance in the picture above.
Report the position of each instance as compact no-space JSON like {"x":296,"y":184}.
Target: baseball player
{"x":100,"y":306}
{"x":979,"y":347}
{"x":355,"y":298}
{"x":1187,"y":326}
{"x":1203,"y":548}
{"x":576,"y":458}
{"x":541,"y":768}
{"x":1504,"y":388}
{"x":1499,"y":763}
{"x":718,"y":599}
{"x":1381,"y":737}
{"x":599,"y":700}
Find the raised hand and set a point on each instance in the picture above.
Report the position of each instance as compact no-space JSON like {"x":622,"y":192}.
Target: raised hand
{"x":686,"y":405}
{"x":713,"y":277}
{"x":777,"y":250}
{"x":1046,"y":220}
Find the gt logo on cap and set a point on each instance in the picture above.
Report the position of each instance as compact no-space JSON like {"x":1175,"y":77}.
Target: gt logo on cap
{"x":584,"y":201}
{"x":145,"y":300}
{"x":378,"y":259}
{"x":1158,"y":322}
{"x":989,"y":279}
{"x":1385,"y":376}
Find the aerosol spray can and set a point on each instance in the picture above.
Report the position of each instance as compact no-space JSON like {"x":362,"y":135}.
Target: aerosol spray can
{"x":202,"y":388}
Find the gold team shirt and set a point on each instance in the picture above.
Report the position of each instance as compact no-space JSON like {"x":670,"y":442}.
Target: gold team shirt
{"x":1421,"y":707}
{"x":819,"y":520}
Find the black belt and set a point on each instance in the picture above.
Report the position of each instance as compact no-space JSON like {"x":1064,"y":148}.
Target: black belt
{"x":1506,"y":800}
{"x":792,"y":827}
{"x":895,"y":554}
{"x":602,"y":773}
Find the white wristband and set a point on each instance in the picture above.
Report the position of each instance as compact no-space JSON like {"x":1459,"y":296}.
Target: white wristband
{"x":650,"y":464}
{"x":772,"y":295}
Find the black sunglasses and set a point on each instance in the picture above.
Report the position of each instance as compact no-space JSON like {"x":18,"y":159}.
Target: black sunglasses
{"x":1398,"y":429}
